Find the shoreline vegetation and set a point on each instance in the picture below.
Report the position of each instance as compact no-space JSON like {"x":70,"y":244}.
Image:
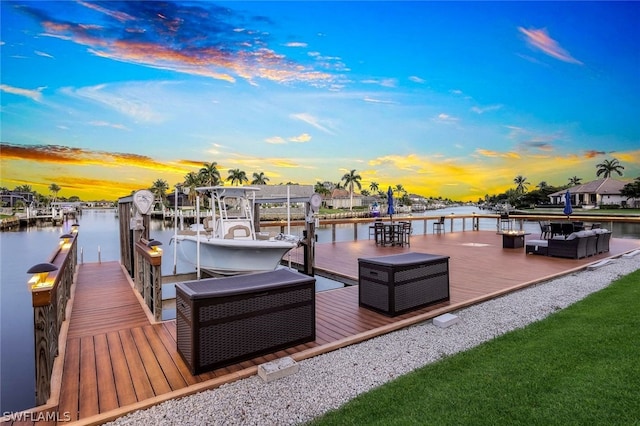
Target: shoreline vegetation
{"x":10,"y":221}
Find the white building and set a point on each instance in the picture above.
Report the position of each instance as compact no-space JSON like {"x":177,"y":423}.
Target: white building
{"x":593,"y":194}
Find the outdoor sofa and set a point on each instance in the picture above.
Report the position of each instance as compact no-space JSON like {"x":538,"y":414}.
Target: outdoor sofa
{"x":576,"y":245}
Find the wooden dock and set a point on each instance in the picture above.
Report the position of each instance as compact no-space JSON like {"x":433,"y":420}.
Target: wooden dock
{"x":116,"y":360}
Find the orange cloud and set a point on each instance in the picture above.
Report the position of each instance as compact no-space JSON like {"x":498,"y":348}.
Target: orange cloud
{"x":75,"y":183}
{"x":496,"y":154}
{"x":593,"y":153}
{"x":68,"y":155}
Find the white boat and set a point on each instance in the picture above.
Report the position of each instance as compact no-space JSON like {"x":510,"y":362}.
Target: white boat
{"x":226,"y":242}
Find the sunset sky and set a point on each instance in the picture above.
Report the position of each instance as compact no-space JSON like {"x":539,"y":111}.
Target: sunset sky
{"x":445,"y":98}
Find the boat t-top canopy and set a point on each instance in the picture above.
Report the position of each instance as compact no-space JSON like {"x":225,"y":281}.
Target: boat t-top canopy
{"x":228,"y":191}
{"x":267,"y":193}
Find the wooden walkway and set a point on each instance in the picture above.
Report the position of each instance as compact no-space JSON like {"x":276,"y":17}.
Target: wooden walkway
{"x":116,"y":360}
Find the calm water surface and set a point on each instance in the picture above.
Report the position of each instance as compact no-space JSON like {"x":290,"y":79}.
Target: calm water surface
{"x":98,"y":239}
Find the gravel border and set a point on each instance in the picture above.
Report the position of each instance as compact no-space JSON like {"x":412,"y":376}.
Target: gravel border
{"x":327,"y":381}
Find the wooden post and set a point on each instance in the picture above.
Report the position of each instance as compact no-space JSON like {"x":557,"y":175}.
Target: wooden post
{"x":309,"y":242}
{"x":149,"y":282}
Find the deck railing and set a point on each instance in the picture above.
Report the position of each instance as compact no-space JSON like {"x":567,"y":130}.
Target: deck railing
{"x":453,"y":222}
{"x":50,"y":291}
{"x":148,"y":275}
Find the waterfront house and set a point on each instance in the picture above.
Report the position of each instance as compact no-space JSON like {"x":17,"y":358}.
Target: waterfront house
{"x":11,"y":198}
{"x":601,"y":192}
{"x":340,"y":199}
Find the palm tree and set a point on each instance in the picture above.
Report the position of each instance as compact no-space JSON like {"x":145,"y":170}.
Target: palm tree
{"x":237,"y":177}
{"x":631,"y":190}
{"x":521,"y":184}
{"x":399,"y":189}
{"x":23,"y":188}
{"x":543,"y":185}
{"x":210,"y":174}
{"x":374,"y":187}
{"x":54,"y":188}
{"x":349,"y":180}
{"x":259,"y":179}
{"x":607,"y":167}
{"x":575,"y":180}
{"x":192,"y":180}
{"x":321,"y":188}
{"x":159,"y":189}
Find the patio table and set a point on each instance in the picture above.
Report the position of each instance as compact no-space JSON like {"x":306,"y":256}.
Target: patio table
{"x":513,"y":239}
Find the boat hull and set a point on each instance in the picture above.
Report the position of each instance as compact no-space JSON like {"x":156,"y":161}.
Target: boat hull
{"x":231,"y":257}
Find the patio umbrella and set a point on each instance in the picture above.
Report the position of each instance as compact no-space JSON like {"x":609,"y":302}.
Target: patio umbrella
{"x":567,"y":203}
{"x":390,"y":208}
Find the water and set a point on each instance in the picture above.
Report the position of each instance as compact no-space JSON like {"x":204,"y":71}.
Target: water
{"x":99,"y":239}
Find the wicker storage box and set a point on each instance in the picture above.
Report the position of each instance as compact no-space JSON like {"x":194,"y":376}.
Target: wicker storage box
{"x":396,"y":284}
{"x":222,"y":321}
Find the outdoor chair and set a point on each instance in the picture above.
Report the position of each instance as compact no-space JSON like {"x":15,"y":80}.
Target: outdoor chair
{"x":602,"y":243}
{"x":567,"y":229}
{"x":406,"y":233}
{"x":556,"y":229}
{"x":378,"y":228}
{"x":592,"y":241}
{"x":438,"y":226}
{"x":393,"y":234}
{"x":372,"y":228}
{"x":545,"y":229}
{"x":505,"y":222}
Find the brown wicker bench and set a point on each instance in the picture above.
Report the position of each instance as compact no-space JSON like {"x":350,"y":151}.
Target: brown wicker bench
{"x":400,"y":283}
{"x":223,"y":321}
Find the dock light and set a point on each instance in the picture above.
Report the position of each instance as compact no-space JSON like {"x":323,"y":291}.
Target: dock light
{"x":154,"y":245}
{"x":74,"y":228}
{"x":65,"y":240}
{"x":40,"y":276}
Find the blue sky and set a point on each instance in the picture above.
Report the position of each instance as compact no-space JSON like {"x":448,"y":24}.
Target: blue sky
{"x":445,"y":98}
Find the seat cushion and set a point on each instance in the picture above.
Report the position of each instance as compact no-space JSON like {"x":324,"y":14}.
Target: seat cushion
{"x":537,"y":247}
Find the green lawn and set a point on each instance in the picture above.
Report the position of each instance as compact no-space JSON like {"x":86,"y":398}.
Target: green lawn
{"x":579,"y":366}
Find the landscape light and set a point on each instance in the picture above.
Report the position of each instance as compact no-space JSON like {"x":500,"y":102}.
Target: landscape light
{"x":40,"y":275}
{"x":65,"y":240}
{"x":154,"y":245}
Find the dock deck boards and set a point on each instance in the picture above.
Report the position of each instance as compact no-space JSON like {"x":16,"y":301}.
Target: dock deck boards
{"x":117,"y":361}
